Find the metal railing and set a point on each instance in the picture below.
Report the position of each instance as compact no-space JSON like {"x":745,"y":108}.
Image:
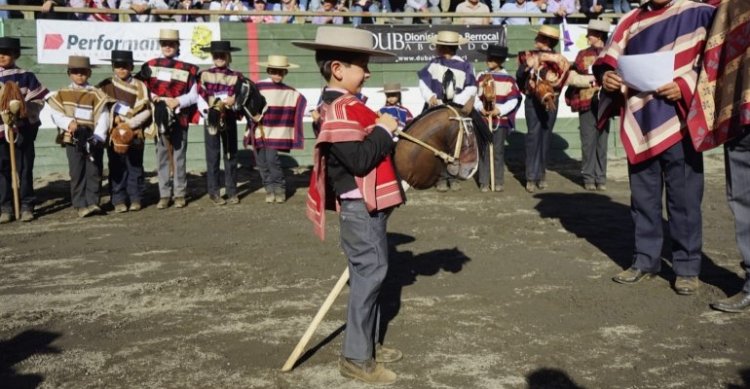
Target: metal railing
{"x":30,"y":11}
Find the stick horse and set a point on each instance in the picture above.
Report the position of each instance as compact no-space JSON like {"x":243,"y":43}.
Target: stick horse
{"x":441,"y":137}
{"x":12,"y":109}
{"x":488,"y":96}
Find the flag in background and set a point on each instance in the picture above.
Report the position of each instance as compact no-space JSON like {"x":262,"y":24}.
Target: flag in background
{"x":567,"y":41}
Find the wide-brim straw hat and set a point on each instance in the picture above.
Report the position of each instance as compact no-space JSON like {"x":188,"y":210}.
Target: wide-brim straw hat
{"x":8,"y":43}
{"x":278,"y":62}
{"x":79,"y":62}
{"x":167,"y":34}
{"x":448,"y":38}
{"x":121,"y":56}
{"x":392,"y":87}
{"x":598,"y":25}
{"x":220,"y":47}
{"x":495,"y":51}
{"x":344,"y":39}
{"x":549,"y":32}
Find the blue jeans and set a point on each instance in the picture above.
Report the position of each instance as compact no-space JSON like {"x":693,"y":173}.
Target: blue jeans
{"x":621,"y":6}
{"x":356,"y":21}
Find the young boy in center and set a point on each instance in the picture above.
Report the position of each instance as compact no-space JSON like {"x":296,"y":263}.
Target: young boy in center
{"x":133,"y":108}
{"x":353,"y":167}
{"x":502,"y":120}
{"x":80,"y":112}
{"x":280,"y":129}
{"x":215,"y":97}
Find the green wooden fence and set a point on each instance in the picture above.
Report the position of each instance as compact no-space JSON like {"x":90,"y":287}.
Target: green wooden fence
{"x":275,"y":39}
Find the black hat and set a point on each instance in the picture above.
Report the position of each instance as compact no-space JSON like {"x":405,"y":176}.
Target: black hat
{"x":495,"y":51}
{"x":121,"y":56}
{"x":7,"y":43}
{"x":220,"y":47}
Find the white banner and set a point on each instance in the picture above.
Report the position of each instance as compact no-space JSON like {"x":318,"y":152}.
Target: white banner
{"x":58,"y":39}
{"x":577,"y":35}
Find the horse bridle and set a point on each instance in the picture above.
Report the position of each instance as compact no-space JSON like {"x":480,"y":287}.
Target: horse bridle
{"x":448,"y":159}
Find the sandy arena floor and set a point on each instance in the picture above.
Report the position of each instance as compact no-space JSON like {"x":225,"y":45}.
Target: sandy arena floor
{"x":488,"y":290}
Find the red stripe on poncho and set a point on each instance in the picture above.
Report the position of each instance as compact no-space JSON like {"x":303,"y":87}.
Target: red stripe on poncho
{"x":347,"y":119}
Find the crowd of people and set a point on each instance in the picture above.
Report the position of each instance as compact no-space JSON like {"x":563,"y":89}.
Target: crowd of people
{"x":353,"y":171}
{"x":142,"y":8}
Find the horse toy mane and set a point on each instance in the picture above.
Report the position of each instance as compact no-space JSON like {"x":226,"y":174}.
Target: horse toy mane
{"x":449,"y":86}
{"x":10,"y":92}
{"x":247,"y":98}
{"x":164,"y":117}
{"x":487,"y":87}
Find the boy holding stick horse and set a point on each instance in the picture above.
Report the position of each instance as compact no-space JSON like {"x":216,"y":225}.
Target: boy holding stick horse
{"x":498,"y":107}
{"x":353,"y":167}
{"x":25,"y":132}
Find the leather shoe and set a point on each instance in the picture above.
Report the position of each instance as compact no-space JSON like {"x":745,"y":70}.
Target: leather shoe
{"x":735,"y":304}
{"x":686,"y":286}
{"x":530,"y":187}
{"x":368,"y":371}
{"x":632,"y":276}
{"x":589,"y":187}
{"x":442,"y":186}
{"x":387,"y":354}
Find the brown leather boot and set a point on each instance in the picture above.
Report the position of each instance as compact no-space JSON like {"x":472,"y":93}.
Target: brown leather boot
{"x":368,"y":371}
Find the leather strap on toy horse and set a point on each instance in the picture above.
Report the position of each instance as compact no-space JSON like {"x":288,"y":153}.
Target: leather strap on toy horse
{"x":439,"y":153}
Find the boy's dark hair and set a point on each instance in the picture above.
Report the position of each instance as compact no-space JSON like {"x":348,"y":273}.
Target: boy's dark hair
{"x":451,"y":49}
{"x":11,"y":52}
{"x":397,"y":94}
{"x":551,"y":42}
{"x":324,"y":58}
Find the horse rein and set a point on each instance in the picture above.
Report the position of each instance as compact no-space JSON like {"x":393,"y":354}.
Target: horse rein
{"x":448,"y":159}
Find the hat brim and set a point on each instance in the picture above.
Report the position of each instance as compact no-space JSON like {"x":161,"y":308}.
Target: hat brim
{"x":119,"y":60}
{"x":461,"y":41}
{"x":288,"y":66}
{"x":231,"y":50}
{"x":77,"y":67}
{"x":484,"y":52}
{"x":539,"y":32}
{"x":19,"y":48}
{"x":392,"y":90}
{"x":311,"y":45}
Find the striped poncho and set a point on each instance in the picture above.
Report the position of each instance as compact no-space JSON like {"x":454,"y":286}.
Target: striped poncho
{"x":281,"y":127}
{"x":721,"y":107}
{"x":650,"y":124}
{"x":33,"y":93}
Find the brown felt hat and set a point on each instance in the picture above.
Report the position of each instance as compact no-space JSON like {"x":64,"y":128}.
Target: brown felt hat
{"x":79,"y":62}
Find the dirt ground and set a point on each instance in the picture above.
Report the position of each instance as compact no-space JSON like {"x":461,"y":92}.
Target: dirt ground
{"x":487,"y":290}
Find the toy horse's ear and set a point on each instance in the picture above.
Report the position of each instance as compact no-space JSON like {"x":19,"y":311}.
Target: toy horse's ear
{"x":466,"y":109}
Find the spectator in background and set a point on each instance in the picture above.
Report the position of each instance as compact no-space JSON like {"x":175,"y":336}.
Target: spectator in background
{"x":592,"y":8}
{"x":621,"y":6}
{"x":472,"y":6}
{"x":517,"y":6}
{"x":260,"y":5}
{"x":541,"y":4}
{"x":329,"y":6}
{"x":142,"y":9}
{"x":561,"y":8}
{"x":188,"y":5}
{"x":230,"y":5}
{"x":422,"y":6}
{"x":102,"y":4}
{"x":363,"y":6}
{"x":286,"y":5}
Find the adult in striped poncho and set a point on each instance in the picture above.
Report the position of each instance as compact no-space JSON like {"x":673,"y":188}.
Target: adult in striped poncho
{"x":654,"y":135}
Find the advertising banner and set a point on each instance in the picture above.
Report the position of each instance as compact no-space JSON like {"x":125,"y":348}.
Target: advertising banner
{"x":58,"y":39}
{"x":410,"y":43}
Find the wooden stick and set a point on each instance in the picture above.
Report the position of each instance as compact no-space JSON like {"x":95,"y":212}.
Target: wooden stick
{"x":11,"y":138}
{"x":316,"y":321}
{"x":492,"y":156}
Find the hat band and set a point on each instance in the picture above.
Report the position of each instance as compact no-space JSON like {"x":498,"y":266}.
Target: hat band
{"x":442,"y":41}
